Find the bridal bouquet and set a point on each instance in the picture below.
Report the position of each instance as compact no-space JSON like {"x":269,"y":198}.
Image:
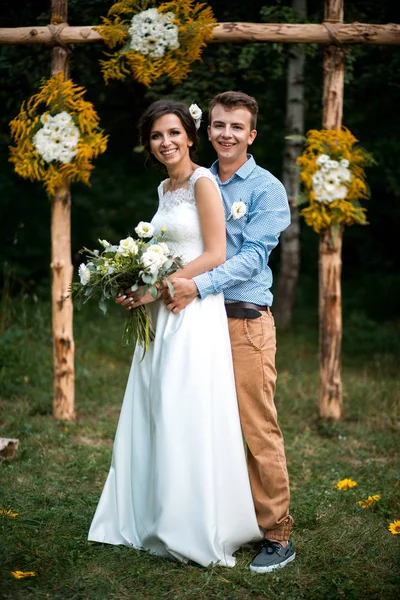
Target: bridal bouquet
{"x":145,"y":262}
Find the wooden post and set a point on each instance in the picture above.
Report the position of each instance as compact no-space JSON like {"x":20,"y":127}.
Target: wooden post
{"x":61,"y":265}
{"x":330,"y":247}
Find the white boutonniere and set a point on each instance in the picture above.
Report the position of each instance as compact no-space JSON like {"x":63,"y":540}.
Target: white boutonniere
{"x":238,"y":210}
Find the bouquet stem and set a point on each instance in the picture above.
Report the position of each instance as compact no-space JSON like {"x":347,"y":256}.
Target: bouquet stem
{"x":138,"y":329}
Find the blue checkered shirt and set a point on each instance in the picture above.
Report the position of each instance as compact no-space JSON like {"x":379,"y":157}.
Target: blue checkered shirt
{"x":246,"y":275}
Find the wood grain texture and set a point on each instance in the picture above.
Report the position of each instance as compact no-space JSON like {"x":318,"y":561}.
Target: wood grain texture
{"x":284,"y":33}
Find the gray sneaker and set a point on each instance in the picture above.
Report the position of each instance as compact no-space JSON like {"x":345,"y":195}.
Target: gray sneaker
{"x":272,"y":556}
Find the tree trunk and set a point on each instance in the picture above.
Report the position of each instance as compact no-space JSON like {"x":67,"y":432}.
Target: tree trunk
{"x":61,"y":265}
{"x":330,"y":247}
{"x":290,"y":238}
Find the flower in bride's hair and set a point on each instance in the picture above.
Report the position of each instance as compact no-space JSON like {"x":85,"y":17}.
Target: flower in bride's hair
{"x":144,"y":230}
{"x":84,"y":274}
{"x":196,"y":114}
{"x":128,"y":247}
{"x":238,"y":210}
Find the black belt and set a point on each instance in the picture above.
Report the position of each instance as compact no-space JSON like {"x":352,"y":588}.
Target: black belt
{"x":244,"y":310}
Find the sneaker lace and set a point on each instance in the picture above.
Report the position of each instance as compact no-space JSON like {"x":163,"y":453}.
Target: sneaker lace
{"x":271,"y":547}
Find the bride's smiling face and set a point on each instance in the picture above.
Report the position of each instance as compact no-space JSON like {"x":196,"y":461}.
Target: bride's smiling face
{"x":169,"y":141}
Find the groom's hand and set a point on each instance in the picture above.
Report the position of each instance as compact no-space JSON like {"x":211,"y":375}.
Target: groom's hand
{"x":185,"y":290}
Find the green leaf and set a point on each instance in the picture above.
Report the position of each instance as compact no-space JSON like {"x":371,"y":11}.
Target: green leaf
{"x":170,"y":288}
{"x":153,"y":291}
{"x":103,"y":305}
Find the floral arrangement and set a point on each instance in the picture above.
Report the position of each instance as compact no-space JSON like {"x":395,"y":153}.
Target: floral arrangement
{"x":154,"y":40}
{"x":142,"y":263}
{"x":333,"y":176}
{"x":57,"y":135}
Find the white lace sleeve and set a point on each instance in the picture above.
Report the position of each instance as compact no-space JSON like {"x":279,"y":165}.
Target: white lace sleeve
{"x":202,"y":172}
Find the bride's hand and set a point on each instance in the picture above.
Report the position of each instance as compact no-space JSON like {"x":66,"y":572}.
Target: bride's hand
{"x":130,"y":300}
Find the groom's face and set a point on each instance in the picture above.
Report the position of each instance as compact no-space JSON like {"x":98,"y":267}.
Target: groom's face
{"x":230,"y":132}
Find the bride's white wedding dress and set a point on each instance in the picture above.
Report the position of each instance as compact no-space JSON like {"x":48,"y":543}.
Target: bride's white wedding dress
{"x":178,"y":483}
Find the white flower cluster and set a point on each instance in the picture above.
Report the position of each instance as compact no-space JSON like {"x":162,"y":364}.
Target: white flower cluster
{"x":328,"y":182}
{"x":152,"y":33}
{"x":58,"y":138}
{"x":155,"y":257}
{"x":152,"y":260}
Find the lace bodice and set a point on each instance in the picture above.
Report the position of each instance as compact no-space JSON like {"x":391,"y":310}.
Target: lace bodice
{"x":177,"y":212}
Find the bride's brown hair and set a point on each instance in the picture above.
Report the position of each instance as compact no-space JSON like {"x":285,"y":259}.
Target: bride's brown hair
{"x":159,"y":109}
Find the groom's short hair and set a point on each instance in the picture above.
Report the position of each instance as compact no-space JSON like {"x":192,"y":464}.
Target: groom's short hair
{"x":231,"y":100}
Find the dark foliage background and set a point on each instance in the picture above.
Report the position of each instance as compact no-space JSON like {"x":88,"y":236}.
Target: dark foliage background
{"x":123,"y":189}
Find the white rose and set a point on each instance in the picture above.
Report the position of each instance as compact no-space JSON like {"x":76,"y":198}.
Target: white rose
{"x":164,"y":247}
{"x":158,"y":249}
{"x":128,"y":247}
{"x":238,"y":210}
{"x":152,"y":260}
{"x":84,"y":274}
{"x":144,"y":230}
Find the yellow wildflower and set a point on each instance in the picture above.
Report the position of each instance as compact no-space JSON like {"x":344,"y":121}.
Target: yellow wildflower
{"x":394,"y":527}
{"x":8,"y":513}
{"x":345,"y":484}
{"x":23,"y":574}
{"x":370,"y":501}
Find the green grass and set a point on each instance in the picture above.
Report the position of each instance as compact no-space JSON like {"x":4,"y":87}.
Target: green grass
{"x":55,"y":481}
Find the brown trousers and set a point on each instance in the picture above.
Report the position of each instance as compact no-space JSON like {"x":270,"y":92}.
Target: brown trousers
{"x":253,"y":344}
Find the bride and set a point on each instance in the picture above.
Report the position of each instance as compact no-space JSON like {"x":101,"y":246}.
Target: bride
{"x":178,"y":484}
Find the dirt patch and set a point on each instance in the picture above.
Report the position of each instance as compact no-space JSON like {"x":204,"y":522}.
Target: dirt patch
{"x":83,"y":440}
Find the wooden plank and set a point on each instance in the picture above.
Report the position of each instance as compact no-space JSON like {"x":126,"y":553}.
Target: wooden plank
{"x":285,"y":33}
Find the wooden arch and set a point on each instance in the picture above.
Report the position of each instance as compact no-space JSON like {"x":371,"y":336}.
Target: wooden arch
{"x":334,"y":35}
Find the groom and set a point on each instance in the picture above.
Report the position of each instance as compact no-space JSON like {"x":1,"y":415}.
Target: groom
{"x":257,"y":211}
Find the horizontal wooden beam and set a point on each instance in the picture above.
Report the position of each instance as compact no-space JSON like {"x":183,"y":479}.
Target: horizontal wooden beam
{"x":325,"y":33}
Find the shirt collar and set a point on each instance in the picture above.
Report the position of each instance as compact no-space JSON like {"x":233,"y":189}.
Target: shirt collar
{"x":243,"y":172}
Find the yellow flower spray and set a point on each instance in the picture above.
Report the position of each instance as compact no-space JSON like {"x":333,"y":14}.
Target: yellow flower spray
{"x":194,"y":21}
{"x":339,"y":146}
{"x":55,"y":96}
